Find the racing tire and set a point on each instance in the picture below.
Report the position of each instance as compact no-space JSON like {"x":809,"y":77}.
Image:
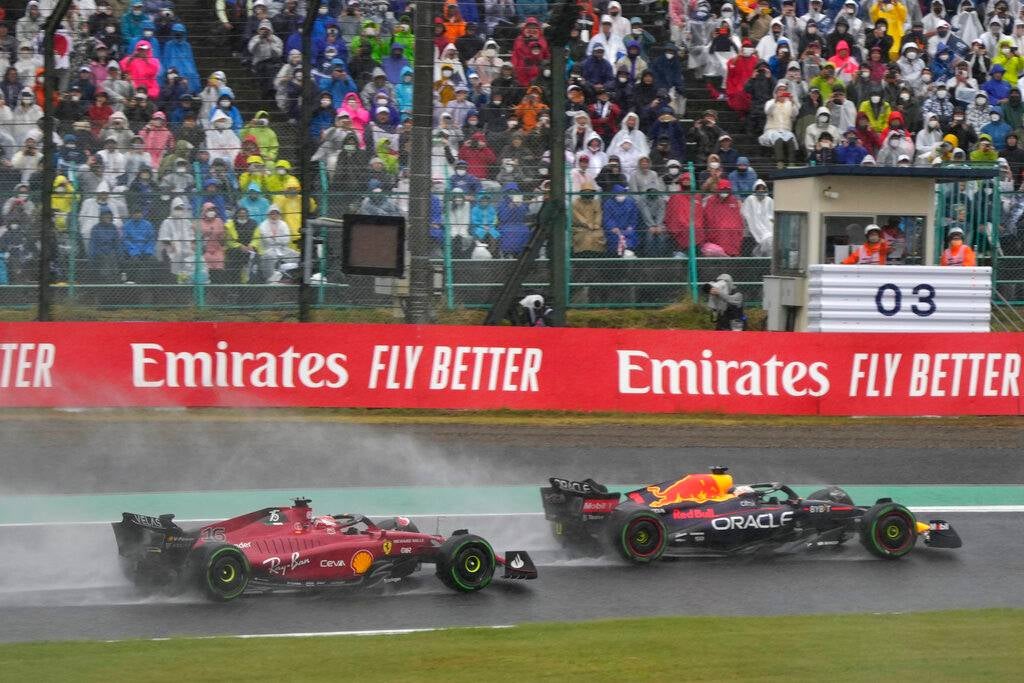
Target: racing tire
{"x":639,"y":536}
{"x":466,"y":563}
{"x":221,"y":571}
{"x":888,"y":530}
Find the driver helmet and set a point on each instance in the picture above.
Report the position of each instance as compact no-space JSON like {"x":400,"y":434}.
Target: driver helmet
{"x":743,"y":490}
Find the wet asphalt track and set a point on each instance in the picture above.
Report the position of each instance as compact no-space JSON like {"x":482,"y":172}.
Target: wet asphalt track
{"x":63,"y":583}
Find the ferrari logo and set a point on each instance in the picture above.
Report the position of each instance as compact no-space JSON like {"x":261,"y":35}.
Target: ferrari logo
{"x":387,"y":547}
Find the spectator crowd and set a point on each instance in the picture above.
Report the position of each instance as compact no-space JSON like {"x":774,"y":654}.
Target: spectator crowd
{"x":164,"y":179}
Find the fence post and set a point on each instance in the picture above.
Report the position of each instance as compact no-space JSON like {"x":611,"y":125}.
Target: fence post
{"x":306,"y":99}
{"x":568,"y":250}
{"x":446,"y":249}
{"x":321,"y":292}
{"x":692,"y":251}
{"x":46,"y":237}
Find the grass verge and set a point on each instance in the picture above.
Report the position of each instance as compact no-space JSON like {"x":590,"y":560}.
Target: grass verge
{"x":981,"y":645}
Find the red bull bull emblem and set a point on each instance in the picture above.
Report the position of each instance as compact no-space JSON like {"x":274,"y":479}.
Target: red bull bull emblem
{"x":695,"y":488}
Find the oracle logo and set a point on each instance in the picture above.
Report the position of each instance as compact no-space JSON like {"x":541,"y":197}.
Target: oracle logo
{"x":153,"y":367}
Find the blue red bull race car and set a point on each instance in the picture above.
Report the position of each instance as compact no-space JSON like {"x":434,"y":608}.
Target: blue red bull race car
{"x":707,"y":513}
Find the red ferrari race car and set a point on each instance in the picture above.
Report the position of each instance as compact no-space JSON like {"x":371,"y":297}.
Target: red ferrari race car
{"x":289,"y":547}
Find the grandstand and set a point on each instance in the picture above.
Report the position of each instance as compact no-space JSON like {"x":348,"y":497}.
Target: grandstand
{"x":174,"y":236}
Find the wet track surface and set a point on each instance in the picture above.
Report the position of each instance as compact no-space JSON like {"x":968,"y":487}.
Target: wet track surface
{"x":62,"y":583}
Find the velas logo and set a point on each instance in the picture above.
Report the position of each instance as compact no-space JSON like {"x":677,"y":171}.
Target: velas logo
{"x":154,"y":367}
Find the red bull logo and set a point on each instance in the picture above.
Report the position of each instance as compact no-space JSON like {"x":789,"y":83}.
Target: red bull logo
{"x":694,"y":513}
{"x":695,"y":488}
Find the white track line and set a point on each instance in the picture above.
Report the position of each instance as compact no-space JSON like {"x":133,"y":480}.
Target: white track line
{"x":924,"y":508}
{"x":327,"y":634}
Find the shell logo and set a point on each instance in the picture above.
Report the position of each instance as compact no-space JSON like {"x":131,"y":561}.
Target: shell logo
{"x":361,"y":561}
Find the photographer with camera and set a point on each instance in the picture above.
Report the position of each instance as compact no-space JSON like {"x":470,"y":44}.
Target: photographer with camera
{"x":726,"y":304}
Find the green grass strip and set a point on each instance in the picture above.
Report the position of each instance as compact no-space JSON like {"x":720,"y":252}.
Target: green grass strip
{"x":982,"y":645}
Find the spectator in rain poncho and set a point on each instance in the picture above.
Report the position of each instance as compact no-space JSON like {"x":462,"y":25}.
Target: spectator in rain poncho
{"x":177,"y":237}
{"x":758,"y":212}
{"x":148,"y":31}
{"x":630,"y":130}
{"x":513,"y":213}
{"x":177,"y":54}
{"x":221,"y":141}
{"x":266,"y":138}
{"x":132,"y":23}
{"x":89,"y":213}
{"x":143,"y":69}
{"x":621,"y":222}
{"x":255,"y":202}
{"x":273,"y":242}
{"x":226,"y":106}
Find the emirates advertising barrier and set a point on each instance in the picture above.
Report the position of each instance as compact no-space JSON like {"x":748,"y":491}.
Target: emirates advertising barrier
{"x":445,"y":367}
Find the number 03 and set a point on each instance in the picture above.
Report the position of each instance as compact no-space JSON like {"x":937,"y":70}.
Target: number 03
{"x":924,"y":307}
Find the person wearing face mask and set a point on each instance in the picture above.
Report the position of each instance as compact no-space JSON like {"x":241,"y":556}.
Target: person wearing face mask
{"x":464,"y":180}
{"x":967,"y":23}
{"x":738,"y":72}
{"x":985,"y":152}
{"x":822,"y":124}
{"x":486,"y":63}
{"x":529,"y":50}
{"x":721,"y":221}
{"x":211,"y":228}
{"x":758,"y":214}
{"x":894,"y":13}
{"x":977,"y":115}
{"x":824,"y":152}
{"x":621,"y":222}
{"x":876,"y":110}
{"x":1008,"y":57}
{"x":633,"y":62}
{"x":132,"y":25}
{"x":928,"y":139}
{"x":874,"y":250}
{"x":911,"y":65}
{"x":266,"y":138}
{"x":997,"y":129}
{"x":142,"y":69}
{"x":964,"y":132}
{"x":943,"y":65}
{"x":177,"y":237}
{"x":957,"y":253}
{"x":221,"y":141}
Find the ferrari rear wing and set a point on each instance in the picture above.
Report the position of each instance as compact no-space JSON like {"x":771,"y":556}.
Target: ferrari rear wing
{"x":567,"y":501}
{"x":137,"y":533}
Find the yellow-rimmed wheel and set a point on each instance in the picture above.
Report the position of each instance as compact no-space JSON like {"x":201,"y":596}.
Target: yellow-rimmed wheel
{"x":466,"y":563}
{"x":223,"y":571}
